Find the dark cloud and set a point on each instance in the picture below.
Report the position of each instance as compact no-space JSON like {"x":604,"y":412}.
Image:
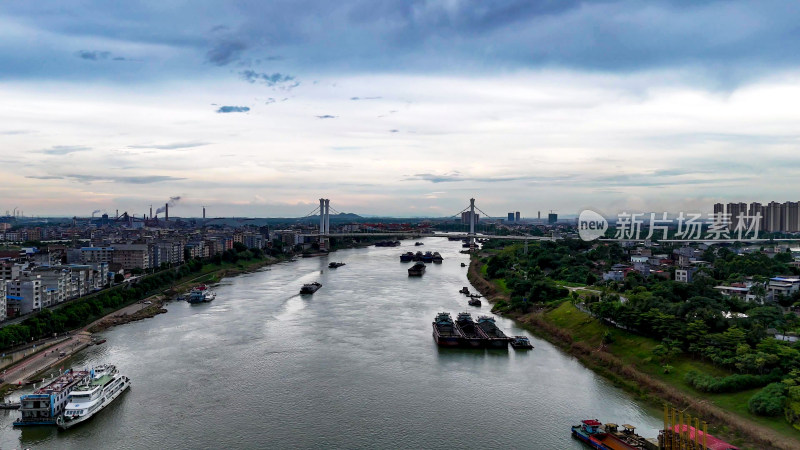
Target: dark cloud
{"x":394,"y":131}
{"x":233,"y":109}
{"x":173,"y":146}
{"x":93,"y":55}
{"x":273,"y":79}
{"x":225,"y":52}
{"x":364,"y":98}
{"x":326,"y":116}
{"x":63,"y":149}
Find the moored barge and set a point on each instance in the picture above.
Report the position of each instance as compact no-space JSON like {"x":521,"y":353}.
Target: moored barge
{"x":44,"y":405}
{"x":472,"y":335}
{"x":445,"y":332}
{"x":495,"y":336}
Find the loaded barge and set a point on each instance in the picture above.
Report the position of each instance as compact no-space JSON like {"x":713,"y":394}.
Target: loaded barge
{"x":472,"y":335}
{"x":495,"y":338}
{"x":445,"y":332}
{"x":673,"y":437}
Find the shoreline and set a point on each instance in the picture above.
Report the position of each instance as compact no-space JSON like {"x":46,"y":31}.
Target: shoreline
{"x":627,"y":377}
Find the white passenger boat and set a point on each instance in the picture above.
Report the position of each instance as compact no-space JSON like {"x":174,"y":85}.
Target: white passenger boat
{"x":104,"y":385}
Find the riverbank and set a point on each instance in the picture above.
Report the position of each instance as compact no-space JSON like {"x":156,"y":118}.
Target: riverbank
{"x":582,"y":336}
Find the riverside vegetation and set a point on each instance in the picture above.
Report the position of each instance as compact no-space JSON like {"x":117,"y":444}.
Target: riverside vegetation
{"x":686,"y":336}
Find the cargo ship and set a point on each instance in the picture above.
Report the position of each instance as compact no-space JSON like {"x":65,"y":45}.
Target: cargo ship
{"x":416,"y":270}
{"x":310,"y":288}
{"x":472,"y":335}
{"x":445,"y":332}
{"x":495,"y":336}
{"x":44,"y":405}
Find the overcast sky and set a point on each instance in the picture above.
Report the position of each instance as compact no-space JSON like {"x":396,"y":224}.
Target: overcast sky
{"x":403,"y":108}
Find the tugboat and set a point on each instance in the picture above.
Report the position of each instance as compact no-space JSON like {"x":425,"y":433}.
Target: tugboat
{"x":521,"y":343}
{"x":437,"y":258}
{"x":334,"y":265}
{"x":496,"y":337}
{"x":310,"y":288}
{"x":416,"y":270}
{"x":407,"y":257}
{"x":445,"y":332}
{"x":473,"y":336}
{"x":474,"y":301}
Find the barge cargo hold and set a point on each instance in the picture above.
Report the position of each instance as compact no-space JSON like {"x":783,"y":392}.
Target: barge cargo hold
{"x":473,"y":337}
{"x":445,"y":332}
{"x":495,"y":336}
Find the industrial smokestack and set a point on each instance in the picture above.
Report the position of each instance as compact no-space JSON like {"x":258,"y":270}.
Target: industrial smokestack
{"x":204,"y":212}
{"x":166,"y":212}
{"x":151,"y":211}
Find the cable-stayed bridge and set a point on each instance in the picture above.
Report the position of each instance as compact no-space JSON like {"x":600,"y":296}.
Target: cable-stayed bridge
{"x":325,"y":233}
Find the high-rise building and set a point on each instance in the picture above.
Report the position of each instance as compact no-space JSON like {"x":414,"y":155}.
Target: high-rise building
{"x":465,"y":217}
{"x":774,"y":216}
{"x":791,"y":217}
{"x":552,"y":218}
{"x":516,"y":217}
{"x":511,"y":217}
{"x":719,"y":212}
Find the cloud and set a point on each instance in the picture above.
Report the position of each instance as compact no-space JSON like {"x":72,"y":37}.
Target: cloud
{"x":225,"y":52}
{"x":45,"y":177}
{"x":364,"y":98}
{"x":251,"y":76}
{"x":394,"y":131}
{"x":145,"y":179}
{"x":232,"y":109}
{"x":326,"y":116}
{"x":173,"y":146}
{"x":93,"y":55}
{"x":63,"y":149}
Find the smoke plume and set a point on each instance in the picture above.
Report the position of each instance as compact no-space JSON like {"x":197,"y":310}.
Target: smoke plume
{"x":171,"y":202}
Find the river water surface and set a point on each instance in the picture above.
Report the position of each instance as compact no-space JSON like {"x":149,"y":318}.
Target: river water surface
{"x":353,"y":366}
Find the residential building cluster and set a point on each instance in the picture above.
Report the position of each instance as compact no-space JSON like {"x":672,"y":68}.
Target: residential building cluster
{"x":775,"y":217}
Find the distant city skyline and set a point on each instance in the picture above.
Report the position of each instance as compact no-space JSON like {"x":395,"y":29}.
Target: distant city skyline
{"x":397,"y":108}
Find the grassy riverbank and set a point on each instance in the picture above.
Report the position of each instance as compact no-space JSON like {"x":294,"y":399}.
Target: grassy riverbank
{"x":627,"y":360}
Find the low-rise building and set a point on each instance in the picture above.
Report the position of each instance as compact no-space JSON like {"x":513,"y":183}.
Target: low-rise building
{"x":738,"y":290}
{"x":132,"y":256}
{"x":782,"y":286}
{"x":24,"y":294}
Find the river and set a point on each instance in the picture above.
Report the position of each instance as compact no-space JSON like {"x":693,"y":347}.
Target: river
{"x":353,"y":366}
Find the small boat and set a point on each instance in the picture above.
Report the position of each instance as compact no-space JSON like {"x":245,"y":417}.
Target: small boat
{"x":407,"y":257}
{"x":464,"y":290}
{"x":418,"y":244}
{"x":310,"y":288}
{"x":473,"y":301}
{"x":437,"y":258}
{"x":10,"y":405}
{"x":334,"y":265}
{"x":521,"y":343}
{"x":463,"y":265}
{"x":427,"y":257}
{"x":101,"y":341}
{"x":418,"y":256}
{"x":416,"y":270}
